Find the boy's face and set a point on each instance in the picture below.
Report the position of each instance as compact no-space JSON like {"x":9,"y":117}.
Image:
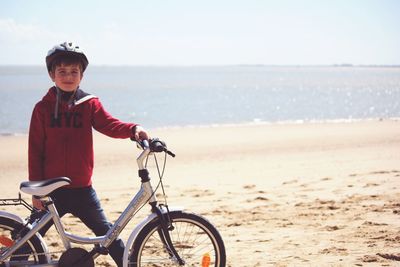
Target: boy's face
{"x":67,"y":77}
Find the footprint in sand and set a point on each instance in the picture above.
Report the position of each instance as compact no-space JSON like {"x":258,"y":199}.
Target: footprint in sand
{"x":335,"y":251}
{"x":369,"y":258}
{"x":249,"y":186}
{"x":196,"y":193}
{"x":395,"y":257}
{"x":290,"y":182}
{"x":371,"y":185}
{"x":259,"y":198}
{"x":331,"y":228}
{"x":374,"y":224}
{"x":380,"y":172}
{"x":325,"y":204}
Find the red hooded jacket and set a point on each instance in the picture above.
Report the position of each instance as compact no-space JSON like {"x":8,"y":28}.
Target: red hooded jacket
{"x":63,"y":145}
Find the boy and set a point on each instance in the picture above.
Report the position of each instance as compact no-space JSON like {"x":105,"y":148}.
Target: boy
{"x":60,"y":140}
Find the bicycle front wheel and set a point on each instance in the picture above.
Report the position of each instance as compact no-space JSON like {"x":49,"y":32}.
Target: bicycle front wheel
{"x":195,"y":239}
{"x":30,"y":253}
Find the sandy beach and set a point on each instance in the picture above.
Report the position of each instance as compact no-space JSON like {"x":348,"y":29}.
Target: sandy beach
{"x":307,"y":194}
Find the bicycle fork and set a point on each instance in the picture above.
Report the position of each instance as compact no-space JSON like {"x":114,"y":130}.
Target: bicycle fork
{"x":165,"y":221}
{"x":163,"y":232}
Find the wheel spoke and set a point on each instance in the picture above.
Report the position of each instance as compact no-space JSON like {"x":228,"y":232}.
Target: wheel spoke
{"x":192,"y":237}
{"x":29,"y":253}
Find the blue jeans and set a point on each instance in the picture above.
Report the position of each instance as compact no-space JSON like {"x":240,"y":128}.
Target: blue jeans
{"x":84,"y":204}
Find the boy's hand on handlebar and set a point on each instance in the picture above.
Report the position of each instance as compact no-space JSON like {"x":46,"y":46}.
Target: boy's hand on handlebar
{"x":140,"y":133}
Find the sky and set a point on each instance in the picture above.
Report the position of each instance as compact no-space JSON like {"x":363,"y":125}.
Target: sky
{"x":204,"y":32}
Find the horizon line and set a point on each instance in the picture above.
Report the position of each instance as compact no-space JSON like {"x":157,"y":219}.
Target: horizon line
{"x":349,"y":65}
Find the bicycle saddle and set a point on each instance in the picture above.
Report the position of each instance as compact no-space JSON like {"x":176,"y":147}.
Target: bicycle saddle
{"x":45,"y":187}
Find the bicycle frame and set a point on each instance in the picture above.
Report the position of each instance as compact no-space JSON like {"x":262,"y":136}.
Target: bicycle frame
{"x":143,"y":196}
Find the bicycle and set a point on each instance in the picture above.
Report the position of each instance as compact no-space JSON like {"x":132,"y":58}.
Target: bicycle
{"x":166,"y":237}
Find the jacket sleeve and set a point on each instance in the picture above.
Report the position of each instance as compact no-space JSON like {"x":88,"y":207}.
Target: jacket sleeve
{"x":36,"y":145}
{"x":103,"y":122}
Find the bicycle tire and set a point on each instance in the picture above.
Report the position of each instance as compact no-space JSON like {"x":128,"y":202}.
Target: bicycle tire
{"x":193,"y":236}
{"x":32,"y":252}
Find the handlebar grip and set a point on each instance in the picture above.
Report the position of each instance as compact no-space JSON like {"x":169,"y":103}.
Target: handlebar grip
{"x":144,"y":143}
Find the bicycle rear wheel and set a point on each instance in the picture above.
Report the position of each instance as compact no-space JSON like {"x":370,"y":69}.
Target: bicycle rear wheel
{"x":30,"y":253}
{"x":194,"y":238}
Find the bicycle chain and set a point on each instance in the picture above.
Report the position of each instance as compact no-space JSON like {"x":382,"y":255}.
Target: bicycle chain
{"x":39,"y":254}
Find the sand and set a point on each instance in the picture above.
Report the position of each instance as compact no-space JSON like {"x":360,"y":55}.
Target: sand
{"x":309,"y":194}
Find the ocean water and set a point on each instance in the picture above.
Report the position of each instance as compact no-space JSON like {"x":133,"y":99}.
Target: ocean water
{"x":214,"y":95}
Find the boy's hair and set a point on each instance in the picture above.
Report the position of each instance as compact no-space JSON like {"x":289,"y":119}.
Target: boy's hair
{"x":67,"y":60}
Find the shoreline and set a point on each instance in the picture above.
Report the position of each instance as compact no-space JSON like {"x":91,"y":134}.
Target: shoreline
{"x":255,"y":122}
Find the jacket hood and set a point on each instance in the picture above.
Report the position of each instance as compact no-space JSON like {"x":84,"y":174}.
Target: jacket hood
{"x":79,"y":97}
{"x":55,"y":94}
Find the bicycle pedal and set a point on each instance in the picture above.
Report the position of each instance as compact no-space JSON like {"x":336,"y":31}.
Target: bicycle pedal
{"x":101,"y":250}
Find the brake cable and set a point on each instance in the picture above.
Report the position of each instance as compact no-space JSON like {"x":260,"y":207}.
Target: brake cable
{"x":161,"y":175}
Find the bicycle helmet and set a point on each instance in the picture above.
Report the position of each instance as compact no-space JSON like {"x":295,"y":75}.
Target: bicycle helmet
{"x":66,"y":48}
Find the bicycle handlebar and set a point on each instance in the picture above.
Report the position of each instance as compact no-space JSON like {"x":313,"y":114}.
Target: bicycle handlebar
{"x":155,"y":145}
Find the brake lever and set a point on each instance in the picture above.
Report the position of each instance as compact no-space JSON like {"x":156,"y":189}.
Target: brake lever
{"x":170,"y":153}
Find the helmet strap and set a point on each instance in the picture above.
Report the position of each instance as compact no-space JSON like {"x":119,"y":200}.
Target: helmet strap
{"x":58,"y":97}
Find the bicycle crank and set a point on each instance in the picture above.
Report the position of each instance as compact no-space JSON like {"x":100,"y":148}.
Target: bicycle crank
{"x":76,"y":257}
